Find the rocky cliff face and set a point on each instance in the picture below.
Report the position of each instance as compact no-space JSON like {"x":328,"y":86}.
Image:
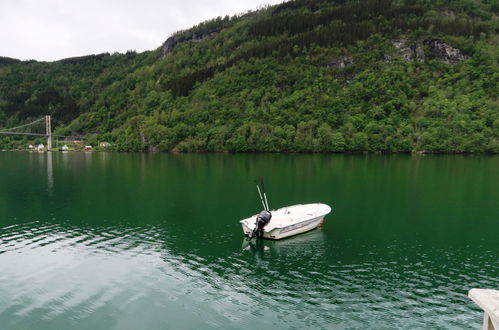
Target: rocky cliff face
{"x":169,"y":45}
{"x":443,"y":52}
{"x":185,"y":36}
{"x":408,"y":51}
{"x":340,"y":63}
{"x":436,"y":49}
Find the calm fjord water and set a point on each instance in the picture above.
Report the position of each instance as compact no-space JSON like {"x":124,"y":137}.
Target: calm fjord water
{"x":152,"y":241}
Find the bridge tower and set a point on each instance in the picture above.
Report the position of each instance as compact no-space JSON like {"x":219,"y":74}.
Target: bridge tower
{"x":48,"y":130}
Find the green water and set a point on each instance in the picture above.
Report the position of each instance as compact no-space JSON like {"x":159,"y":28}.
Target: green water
{"x":152,"y":241}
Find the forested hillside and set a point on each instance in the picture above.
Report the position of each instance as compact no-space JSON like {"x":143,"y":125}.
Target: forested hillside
{"x":303,"y":76}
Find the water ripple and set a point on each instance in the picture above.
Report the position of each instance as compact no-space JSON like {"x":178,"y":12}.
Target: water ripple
{"x":54,"y":270}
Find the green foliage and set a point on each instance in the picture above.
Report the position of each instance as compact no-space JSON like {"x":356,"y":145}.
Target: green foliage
{"x":302,"y":76}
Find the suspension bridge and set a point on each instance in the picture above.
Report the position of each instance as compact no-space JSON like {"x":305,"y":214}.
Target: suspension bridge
{"x":35,"y":128}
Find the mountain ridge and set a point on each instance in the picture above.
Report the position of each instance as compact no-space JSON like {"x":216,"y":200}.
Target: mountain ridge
{"x":302,"y":76}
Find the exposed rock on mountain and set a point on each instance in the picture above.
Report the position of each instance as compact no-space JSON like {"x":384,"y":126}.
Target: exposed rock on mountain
{"x":186,"y":36}
{"x":436,"y":49}
{"x":340,"y":63}
{"x":408,"y":51}
{"x":440,"y":50}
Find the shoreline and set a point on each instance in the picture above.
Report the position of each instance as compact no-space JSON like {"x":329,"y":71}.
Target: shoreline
{"x":360,"y":153}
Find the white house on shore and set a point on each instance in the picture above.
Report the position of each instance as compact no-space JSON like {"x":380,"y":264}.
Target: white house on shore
{"x":104,"y":144}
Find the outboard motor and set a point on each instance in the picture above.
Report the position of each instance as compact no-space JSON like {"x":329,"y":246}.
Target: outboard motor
{"x":262,"y":220}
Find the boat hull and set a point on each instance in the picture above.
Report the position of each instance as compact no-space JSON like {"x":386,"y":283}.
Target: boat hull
{"x":280,"y":233}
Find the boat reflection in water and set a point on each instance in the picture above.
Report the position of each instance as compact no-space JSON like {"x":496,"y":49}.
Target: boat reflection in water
{"x":303,"y":244}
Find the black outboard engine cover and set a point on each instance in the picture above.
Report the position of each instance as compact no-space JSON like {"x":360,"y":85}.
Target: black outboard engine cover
{"x":262,"y":220}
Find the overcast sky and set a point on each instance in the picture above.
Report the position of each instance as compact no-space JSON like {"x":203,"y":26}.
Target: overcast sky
{"x":48,"y":30}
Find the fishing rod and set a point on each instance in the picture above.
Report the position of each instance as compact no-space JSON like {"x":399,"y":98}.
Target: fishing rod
{"x":261,"y":198}
{"x":265,"y":196}
{"x":263,"y":218}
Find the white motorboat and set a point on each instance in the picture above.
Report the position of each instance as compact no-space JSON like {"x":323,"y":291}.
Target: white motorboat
{"x":286,"y":221}
{"x":289,"y":220}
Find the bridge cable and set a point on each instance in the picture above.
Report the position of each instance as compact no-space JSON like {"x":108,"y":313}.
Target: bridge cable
{"x":7,"y":129}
